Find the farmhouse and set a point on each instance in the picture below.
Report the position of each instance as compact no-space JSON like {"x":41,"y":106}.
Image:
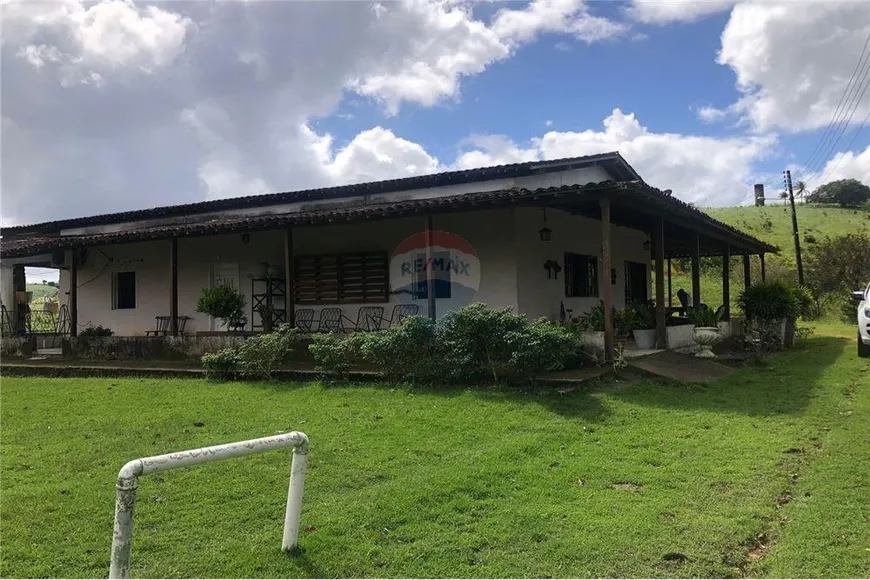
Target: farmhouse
{"x":548,"y":238}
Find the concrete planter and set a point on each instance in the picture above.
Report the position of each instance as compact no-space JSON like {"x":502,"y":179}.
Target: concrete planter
{"x":644,"y":339}
{"x":705,"y":337}
{"x":680,"y":338}
{"x":593,"y":339}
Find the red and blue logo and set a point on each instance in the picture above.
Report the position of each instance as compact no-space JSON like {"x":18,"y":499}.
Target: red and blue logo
{"x":447,"y":258}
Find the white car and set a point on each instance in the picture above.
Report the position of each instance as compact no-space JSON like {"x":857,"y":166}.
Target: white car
{"x":863,"y":321}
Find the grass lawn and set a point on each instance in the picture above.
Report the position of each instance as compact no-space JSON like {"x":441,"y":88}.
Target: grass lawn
{"x":454,"y":482}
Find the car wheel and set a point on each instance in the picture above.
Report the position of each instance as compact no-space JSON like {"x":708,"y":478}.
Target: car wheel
{"x":863,"y":349}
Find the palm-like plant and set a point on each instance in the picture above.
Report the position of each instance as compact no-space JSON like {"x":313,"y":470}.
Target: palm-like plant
{"x":800,"y":189}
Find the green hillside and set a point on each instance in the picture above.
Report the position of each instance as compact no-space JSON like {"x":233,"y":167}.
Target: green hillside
{"x":773,"y":223}
{"x":42,"y":292}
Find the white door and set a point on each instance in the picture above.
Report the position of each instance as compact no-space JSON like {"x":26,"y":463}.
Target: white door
{"x":224,"y":273}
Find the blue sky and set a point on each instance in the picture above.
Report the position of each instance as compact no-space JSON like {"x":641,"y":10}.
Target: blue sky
{"x":117,"y":105}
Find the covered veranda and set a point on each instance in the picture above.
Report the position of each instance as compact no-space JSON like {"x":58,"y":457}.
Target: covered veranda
{"x":675,"y":230}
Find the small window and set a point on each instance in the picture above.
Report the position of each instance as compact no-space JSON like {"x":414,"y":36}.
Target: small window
{"x":124,"y":291}
{"x":581,"y":276}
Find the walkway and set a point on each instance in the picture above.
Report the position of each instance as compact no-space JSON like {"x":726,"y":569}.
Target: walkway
{"x":681,"y":367}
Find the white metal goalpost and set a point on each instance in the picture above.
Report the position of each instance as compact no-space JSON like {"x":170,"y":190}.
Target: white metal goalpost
{"x":128,"y":482}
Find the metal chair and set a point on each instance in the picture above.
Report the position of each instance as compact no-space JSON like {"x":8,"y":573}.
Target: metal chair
{"x":368,"y":318}
{"x":331,"y":320}
{"x":400,"y":313}
{"x":305,"y":319}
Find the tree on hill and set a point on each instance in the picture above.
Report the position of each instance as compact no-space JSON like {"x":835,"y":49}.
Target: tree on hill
{"x":840,"y":264}
{"x":843,"y":192}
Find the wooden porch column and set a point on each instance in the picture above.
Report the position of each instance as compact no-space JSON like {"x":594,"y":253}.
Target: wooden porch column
{"x":605,"y":277}
{"x":747,"y":272}
{"x":289,"y":275}
{"x":173,"y":286}
{"x":659,"y":260}
{"x":696,"y":271}
{"x":670,"y":293}
{"x":430,"y":273}
{"x":763,"y":269}
{"x":74,"y":294}
{"x":16,"y":312}
{"x":726,"y":283}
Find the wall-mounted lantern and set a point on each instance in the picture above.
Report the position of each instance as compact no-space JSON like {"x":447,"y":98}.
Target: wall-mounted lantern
{"x":246,"y":238}
{"x":647,"y":245}
{"x":545,"y":233}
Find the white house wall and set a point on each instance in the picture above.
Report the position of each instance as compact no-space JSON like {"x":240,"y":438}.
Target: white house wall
{"x":490,"y":232}
{"x":539,"y":296}
{"x":595,"y":174}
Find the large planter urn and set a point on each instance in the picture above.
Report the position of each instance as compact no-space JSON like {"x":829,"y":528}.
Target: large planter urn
{"x":593,"y":339}
{"x":705,"y":337}
{"x":644,"y":339}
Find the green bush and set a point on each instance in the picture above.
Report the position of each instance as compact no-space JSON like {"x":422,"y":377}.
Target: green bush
{"x":639,"y":316}
{"x":769,"y":302}
{"x":334,"y":353}
{"x":408,"y":350}
{"x":474,"y":344}
{"x":223,"y":302}
{"x":222,"y":365}
{"x":593,"y":320}
{"x":807,"y":304}
{"x":475,"y":341}
{"x":96,"y":331}
{"x":702,"y":316}
{"x":256,"y":358}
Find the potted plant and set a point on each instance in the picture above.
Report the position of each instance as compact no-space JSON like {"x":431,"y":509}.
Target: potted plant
{"x":706,"y":331}
{"x":640,"y":317}
{"x":770,"y":305}
{"x":592,"y":324}
{"x":267,"y":314}
{"x":223,"y":302}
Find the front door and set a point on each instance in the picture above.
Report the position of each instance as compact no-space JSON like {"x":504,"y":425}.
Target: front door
{"x":636,"y":284}
{"x":224,"y":273}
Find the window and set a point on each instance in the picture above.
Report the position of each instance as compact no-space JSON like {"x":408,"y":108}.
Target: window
{"x":342,"y":278}
{"x":581,"y":275}
{"x":441,"y":272}
{"x":124,"y":290}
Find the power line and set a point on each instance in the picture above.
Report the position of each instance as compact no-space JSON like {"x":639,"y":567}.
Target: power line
{"x":835,"y":117}
{"x":848,"y":148}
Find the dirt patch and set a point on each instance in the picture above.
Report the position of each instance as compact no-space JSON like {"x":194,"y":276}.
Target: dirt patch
{"x":626,"y":486}
{"x":756,"y":549}
{"x":783,"y":499}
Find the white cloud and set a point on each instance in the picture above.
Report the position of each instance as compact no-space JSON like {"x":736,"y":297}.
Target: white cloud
{"x":449,"y":44}
{"x":793,"y":65}
{"x":374,"y":155}
{"x":114,"y":105}
{"x":843,"y":165}
{"x":665,"y":12}
{"x":699,"y":169}
{"x":709,"y":114}
{"x":86,"y":42}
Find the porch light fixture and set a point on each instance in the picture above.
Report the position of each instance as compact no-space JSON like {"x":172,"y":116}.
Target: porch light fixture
{"x":246,"y":238}
{"x":545,"y":233}
{"x":647,"y":245}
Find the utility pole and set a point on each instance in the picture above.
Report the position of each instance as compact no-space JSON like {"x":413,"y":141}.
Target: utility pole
{"x":794,"y":227}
